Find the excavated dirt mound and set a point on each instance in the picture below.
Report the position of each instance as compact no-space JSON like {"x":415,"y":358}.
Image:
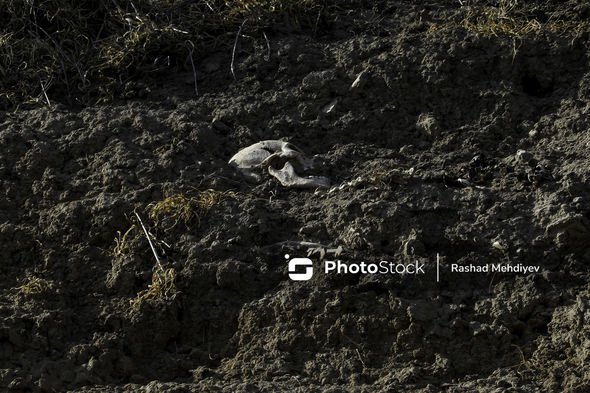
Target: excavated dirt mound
{"x":463,"y":144}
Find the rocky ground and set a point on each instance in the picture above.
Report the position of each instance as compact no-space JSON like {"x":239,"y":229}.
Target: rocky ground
{"x":457,"y":142}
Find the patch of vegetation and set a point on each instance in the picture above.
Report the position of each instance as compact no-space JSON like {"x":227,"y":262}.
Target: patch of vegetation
{"x":121,"y":244}
{"x":162,"y":288}
{"x":384,"y":176}
{"x":164,"y":216}
{"x":508,"y":17}
{"x":91,"y":51}
{"x":529,"y":365}
{"x":88,"y":51}
{"x":181,"y":208}
{"x":34,"y":286}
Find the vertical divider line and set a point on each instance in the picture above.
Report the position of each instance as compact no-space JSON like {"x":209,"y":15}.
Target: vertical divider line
{"x":437,"y":268}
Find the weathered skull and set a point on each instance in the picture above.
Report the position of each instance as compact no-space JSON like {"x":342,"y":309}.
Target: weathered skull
{"x":282,"y":160}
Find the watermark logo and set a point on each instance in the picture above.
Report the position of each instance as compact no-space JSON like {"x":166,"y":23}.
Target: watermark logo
{"x":300,"y":262}
{"x":383,"y":267}
{"x":301,"y":269}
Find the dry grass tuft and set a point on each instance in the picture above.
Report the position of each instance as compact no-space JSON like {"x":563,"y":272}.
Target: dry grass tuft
{"x":87,"y":51}
{"x":505,"y":19}
{"x":34,"y":286}
{"x":181,"y":208}
{"x":529,"y":365}
{"x":162,"y":288}
{"x":263,"y":8}
{"x":165,"y":215}
{"x":121,"y":246}
{"x":383,"y":176}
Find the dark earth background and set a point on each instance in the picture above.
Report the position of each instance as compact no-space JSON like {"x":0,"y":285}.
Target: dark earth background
{"x":438,"y":102}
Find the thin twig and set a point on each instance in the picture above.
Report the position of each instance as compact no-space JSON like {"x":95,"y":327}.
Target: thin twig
{"x":152,"y":247}
{"x":233,"y":53}
{"x":190,"y":54}
{"x":522,"y":358}
{"x":136,"y":12}
{"x":317,"y":22}
{"x":45,"y":94}
{"x":99,"y":31}
{"x":209,"y":5}
{"x":63,"y":53}
{"x":360,"y":358}
{"x":267,"y":46}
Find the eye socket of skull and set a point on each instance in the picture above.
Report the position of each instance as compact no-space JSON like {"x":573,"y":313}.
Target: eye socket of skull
{"x":277,"y":161}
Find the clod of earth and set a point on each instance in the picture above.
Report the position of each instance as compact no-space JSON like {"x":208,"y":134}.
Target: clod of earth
{"x":283,"y":160}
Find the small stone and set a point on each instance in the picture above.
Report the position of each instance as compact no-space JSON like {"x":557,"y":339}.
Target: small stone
{"x":533,"y":133}
{"x":499,"y":246}
{"x":428,"y":125}
{"x":330,"y":107}
{"x":359,"y":81}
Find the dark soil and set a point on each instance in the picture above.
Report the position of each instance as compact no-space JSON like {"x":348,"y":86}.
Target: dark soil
{"x":431,"y":133}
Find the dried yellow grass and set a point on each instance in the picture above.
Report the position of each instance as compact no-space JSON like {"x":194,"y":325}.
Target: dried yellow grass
{"x":505,"y":19}
{"x":58,"y":49}
{"x":162,"y":288}
{"x":34,"y":286}
{"x":181,"y":208}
